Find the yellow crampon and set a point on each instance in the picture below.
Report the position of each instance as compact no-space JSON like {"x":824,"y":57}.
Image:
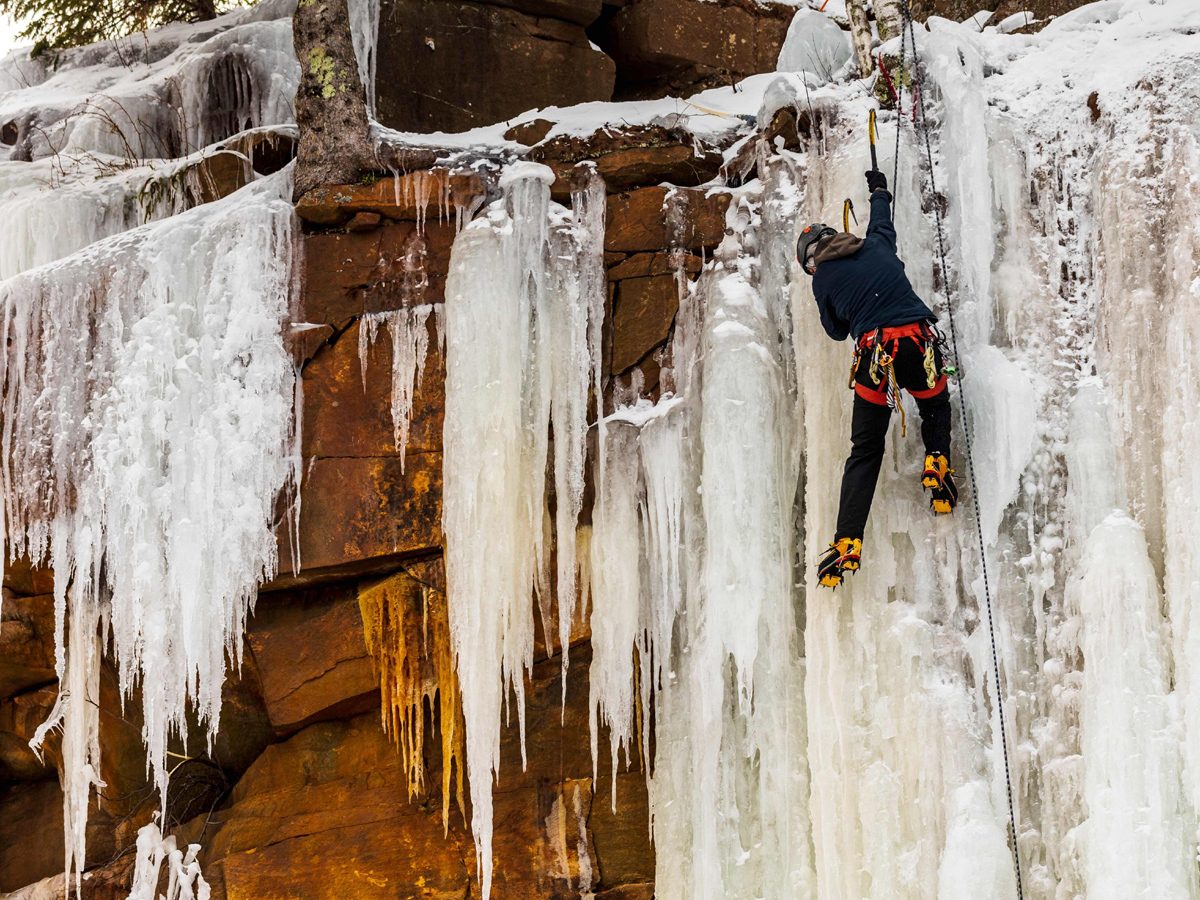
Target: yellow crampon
{"x":938,"y":477}
{"x":843,"y":556}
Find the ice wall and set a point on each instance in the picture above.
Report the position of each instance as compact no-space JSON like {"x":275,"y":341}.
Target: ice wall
{"x":148,"y":430}
{"x":847,"y":744}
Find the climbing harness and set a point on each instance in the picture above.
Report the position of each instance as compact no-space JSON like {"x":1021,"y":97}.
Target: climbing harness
{"x":918,"y":101}
{"x":883,"y":344}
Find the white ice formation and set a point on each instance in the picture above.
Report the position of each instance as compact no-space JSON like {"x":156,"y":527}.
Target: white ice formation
{"x":143,"y":463}
{"x":519,"y":351}
{"x":161,"y":94}
{"x":814,"y":44}
{"x":184,"y":878}
{"x":846,"y":745}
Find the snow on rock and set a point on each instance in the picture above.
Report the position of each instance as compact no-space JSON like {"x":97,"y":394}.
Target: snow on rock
{"x":814,"y":44}
{"x":163,"y":94}
{"x":144,"y":463}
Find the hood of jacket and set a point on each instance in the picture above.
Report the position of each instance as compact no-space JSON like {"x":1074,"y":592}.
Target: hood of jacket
{"x":836,"y":246}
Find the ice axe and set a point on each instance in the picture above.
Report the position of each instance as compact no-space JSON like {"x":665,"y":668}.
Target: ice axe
{"x":871,"y":137}
{"x":848,"y":207}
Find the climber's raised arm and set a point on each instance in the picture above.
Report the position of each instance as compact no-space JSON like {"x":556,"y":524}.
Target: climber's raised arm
{"x":881,"y":209}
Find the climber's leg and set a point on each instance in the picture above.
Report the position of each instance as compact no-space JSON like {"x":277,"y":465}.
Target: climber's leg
{"x":935,"y":421}
{"x":868,"y":432}
{"x":937,"y":477}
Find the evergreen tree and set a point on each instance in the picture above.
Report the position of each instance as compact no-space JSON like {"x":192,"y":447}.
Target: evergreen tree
{"x":58,"y":24}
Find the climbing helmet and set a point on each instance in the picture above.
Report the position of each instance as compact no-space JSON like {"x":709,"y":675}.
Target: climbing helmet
{"x":807,"y":240}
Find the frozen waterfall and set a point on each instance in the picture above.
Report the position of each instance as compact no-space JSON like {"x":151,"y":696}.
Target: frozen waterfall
{"x":844,"y":745}
{"x":148,"y":398}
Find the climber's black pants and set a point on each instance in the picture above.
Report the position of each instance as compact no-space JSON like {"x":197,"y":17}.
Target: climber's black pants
{"x":869,"y":427}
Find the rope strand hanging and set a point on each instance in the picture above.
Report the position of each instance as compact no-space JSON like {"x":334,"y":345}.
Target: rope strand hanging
{"x":908,"y":31}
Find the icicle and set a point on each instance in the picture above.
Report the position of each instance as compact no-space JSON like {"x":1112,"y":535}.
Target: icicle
{"x":616,"y":599}
{"x":408,"y":636}
{"x":518,"y":358}
{"x":409,"y":328}
{"x":144,"y":463}
{"x":364,"y":28}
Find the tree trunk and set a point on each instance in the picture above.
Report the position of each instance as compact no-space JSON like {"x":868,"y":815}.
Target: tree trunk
{"x":331,"y":105}
{"x":889,"y":16}
{"x":860,"y":32}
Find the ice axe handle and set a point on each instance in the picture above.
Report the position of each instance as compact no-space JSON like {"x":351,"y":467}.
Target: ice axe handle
{"x":871,"y":135}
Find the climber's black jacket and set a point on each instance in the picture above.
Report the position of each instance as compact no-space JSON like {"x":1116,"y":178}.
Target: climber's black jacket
{"x":868,"y":289}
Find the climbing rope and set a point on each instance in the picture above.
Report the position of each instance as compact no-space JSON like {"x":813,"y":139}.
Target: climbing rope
{"x":909,"y":31}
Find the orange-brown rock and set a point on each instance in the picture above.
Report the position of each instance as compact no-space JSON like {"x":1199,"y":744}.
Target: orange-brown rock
{"x":581,"y":12}
{"x":629,"y":157}
{"x":123,"y":805}
{"x":311,"y":658}
{"x":529,"y":133}
{"x":641,"y":265}
{"x":26,"y":642}
{"x":31,"y":833}
{"x":642,"y":316}
{"x":332,"y":803}
{"x":22,"y":577}
{"x":397,"y":264}
{"x":637,"y":220}
{"x":621,"y":836}
{"x":344,"y":418}
{"x":108,"y":882}
{"x":307,"y":339}
{"x":361,"y":515}
{"x":19,"y":719}
{"x":416,"y":196}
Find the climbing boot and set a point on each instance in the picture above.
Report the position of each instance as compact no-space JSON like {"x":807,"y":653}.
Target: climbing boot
{"x":938,"y":479}
{"x":843,"y":556}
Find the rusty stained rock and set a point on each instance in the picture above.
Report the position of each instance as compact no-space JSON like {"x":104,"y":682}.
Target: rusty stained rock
{"x":397,"y":264}
{"x":416,"y":196}
{"x":344,"y":418}
{"x":311,"y":657}
{"x":637,"y":220}
{"x":360,"y":515}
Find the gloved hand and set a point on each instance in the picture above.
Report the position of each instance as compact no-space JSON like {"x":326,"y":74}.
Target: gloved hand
{"x":876,"y":181}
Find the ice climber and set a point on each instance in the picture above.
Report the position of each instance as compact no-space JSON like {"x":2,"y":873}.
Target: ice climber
{"x":861,"y":291}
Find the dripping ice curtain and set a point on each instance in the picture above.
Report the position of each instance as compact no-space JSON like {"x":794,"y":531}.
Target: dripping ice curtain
{"x":148,"y":430}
